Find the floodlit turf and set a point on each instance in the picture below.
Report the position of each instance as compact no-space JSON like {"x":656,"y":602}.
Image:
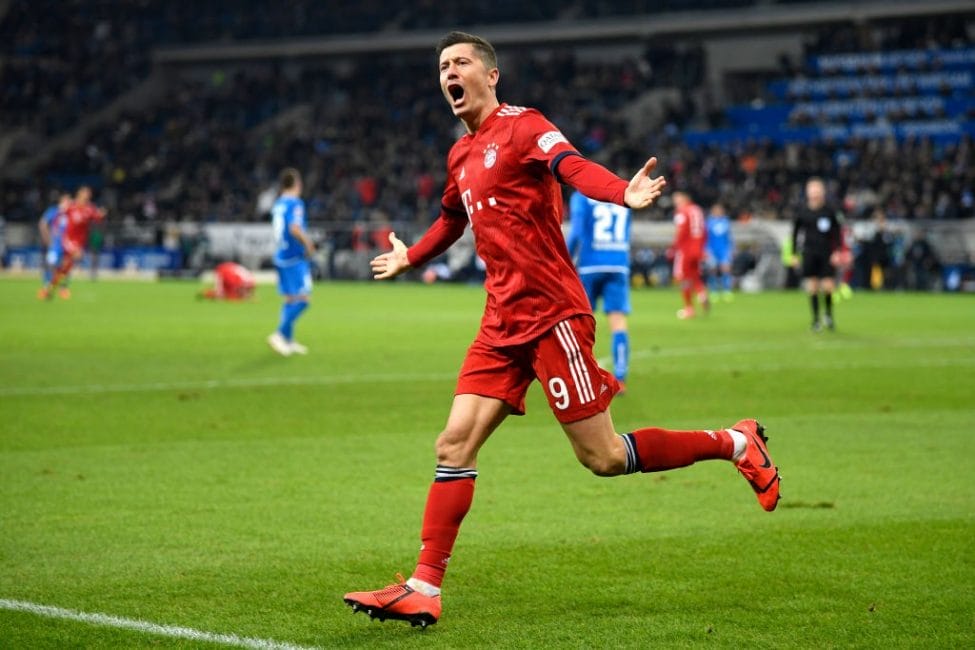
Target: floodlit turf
{"x":159,"y":463}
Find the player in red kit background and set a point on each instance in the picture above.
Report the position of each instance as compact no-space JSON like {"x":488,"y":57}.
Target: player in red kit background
{"x":231,"y":282}
{"x":689,"y":241}
{"x":503,"y":180}
{"x":79,"y":217}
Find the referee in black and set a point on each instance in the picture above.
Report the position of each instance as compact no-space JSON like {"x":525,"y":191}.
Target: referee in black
{"x":816,"y":233}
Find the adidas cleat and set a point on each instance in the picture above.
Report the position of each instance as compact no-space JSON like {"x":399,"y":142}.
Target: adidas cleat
{"x":756,"y":465}
{"x":398,"y":602}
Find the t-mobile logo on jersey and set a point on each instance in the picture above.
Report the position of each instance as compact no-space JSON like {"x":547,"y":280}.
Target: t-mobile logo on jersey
{"x":473,"y":206}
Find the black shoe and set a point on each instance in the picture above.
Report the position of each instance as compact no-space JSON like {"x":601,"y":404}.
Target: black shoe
{"x":816,"y":326}
{"x":830,"y":325}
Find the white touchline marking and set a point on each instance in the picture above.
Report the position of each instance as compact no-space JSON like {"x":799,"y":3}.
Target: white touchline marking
{"x":147,"y":627}
{"x":331,"y":380}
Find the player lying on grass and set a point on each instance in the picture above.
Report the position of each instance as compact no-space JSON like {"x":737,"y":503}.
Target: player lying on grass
{"x":503,"y":179}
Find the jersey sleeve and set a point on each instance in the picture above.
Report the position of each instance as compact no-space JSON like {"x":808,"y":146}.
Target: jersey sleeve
{"x":541,"y":141}
{"x":447,"y":229}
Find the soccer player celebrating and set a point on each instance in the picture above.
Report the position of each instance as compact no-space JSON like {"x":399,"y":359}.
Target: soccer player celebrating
{"x":688,"y":251}
{"x":720,"y":249}
{"x":599,"y":233}
{"x":294,"y":247}
{"x":51,"y":227}
{"x":502,"y":179}
{"x":79,"y":216}
{"x":818,"y":229}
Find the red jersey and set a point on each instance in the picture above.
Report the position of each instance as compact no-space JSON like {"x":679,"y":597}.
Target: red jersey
{"x":501,"y":181}
{"x":692,"y":232}
{"x":79,"y":219}
{"x":233,"y":281}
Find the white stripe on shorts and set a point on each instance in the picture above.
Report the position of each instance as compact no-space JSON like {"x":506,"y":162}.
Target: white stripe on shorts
{"x":580,"y":374}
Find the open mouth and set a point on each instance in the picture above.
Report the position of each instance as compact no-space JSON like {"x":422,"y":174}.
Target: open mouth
{"x":456,"y":92}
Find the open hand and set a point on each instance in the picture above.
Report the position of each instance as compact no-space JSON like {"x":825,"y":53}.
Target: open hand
{"x":391,"y":263}
{"x":643,"y":190}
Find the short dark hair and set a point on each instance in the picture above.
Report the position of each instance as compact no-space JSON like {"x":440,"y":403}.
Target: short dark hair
{"x":289,"y":178}
{"x":483,"y":48}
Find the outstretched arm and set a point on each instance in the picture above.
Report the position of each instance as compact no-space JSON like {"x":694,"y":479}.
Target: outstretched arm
{"x":445,"y":231}
{"x":597,"y":182}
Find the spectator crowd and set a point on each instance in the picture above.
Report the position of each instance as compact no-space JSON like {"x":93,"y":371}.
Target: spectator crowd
{"x":370,"y":134}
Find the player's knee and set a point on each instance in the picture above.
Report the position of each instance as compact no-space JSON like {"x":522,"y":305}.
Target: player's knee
{"x":603,"y":464}
{"x":451,"y":450}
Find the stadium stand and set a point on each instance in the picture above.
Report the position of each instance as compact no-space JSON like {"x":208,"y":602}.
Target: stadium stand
{"x":884,"y":110}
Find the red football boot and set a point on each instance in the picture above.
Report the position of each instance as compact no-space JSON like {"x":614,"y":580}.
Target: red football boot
{"x":756,"y":465}
{"x":400,"y":602}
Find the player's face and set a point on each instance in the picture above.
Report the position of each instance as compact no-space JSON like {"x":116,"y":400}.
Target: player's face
{"x":467,"y":84}
{"x":815,"y":194}
{"x":83,"y":195}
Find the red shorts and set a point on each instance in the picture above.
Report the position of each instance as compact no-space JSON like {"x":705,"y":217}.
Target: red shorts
{"x":72,"y":247}
{"x":561,"y":359}
{"x":687,"y":267}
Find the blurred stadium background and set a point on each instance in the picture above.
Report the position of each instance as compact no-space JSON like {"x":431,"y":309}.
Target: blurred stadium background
{"x":180,"y":114}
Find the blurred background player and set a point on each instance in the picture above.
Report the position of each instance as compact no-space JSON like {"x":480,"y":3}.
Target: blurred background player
{"x":599,"y":239}
{"x":293,"y":249}
{"x":720,"y":250}
{"x":688,"y":253}
{"x":231,"y":282}
{"x":51,"y":227}
{"x":816,"y":233}
{"x":80,"y":214}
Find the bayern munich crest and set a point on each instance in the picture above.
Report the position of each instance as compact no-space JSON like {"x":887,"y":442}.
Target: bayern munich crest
{"x":490,"y":156}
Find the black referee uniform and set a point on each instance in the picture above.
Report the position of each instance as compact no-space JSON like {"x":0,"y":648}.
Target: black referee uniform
{"x":816,"y":234}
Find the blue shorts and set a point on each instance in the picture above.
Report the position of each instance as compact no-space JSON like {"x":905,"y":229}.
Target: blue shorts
{"x":613,"y":288}
{"x":294,"y":280}
{"x":54,"y":256}
{"x":719,"y":256}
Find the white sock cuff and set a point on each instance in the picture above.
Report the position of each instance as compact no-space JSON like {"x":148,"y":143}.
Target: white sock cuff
{"x":741,"y":443}
{"x":424,"y":588}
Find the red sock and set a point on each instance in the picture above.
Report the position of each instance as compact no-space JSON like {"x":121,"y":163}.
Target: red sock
{"x":686,"y":292}
{"x":447,"y":504}
{"x":62,"y":271}
{"x":662,"y":449}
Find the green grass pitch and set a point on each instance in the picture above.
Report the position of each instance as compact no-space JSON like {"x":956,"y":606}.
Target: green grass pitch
{"x":159,"y":463}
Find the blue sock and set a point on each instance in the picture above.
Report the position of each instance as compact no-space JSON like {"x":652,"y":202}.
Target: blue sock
{"x":285,"y":327}
{"x":290,"y":312}
{"x":621,"y":354}
{"x":727,"y":281}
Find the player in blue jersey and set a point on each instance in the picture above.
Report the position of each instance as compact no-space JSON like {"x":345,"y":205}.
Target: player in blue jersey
{"x":599,"y":239}
{"x":720,"y":250}
{"x":51,"y":226}
{"x":293,"y":249}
